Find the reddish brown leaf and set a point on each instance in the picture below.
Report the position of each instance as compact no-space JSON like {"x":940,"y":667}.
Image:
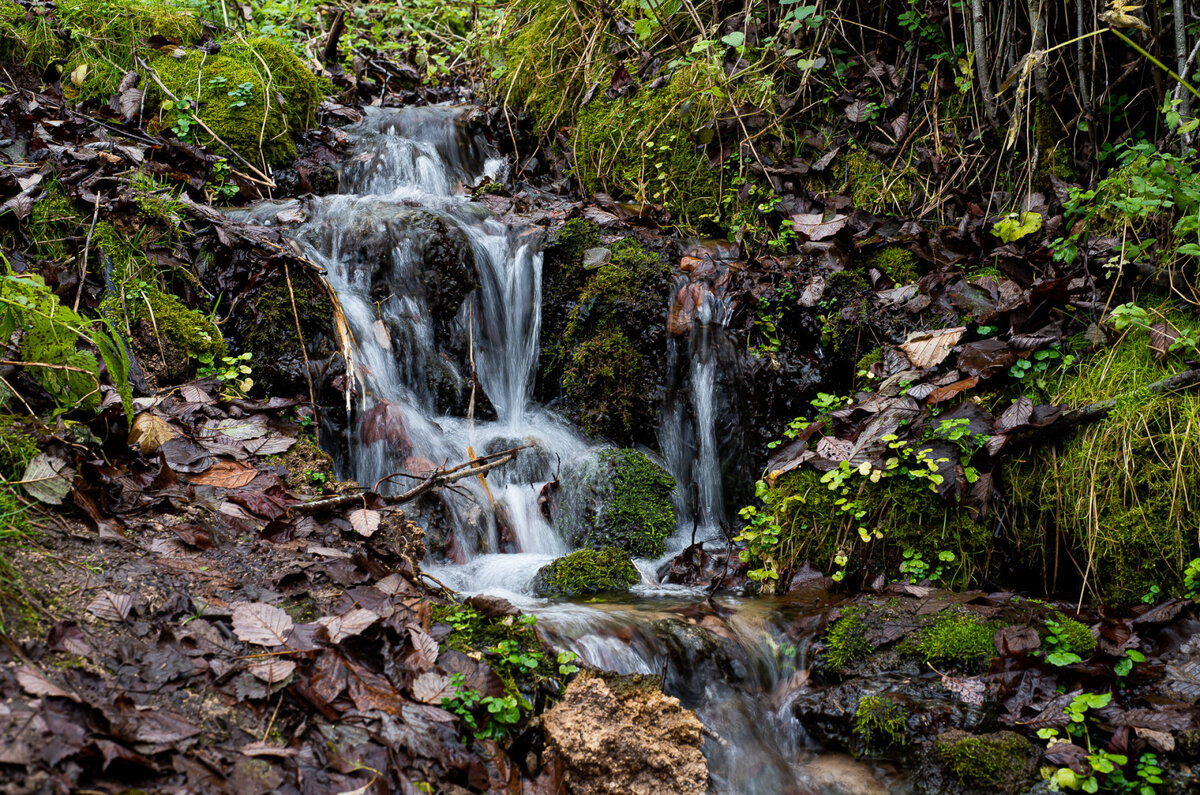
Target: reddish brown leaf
{"x":944,"y":393}
{"x":371,"y":691}
{"x":35,"y":684}
{"x":227,"y":475}
{"x":261,"y":624}
{"x":273,"y":669}
{"x":385,"y":422}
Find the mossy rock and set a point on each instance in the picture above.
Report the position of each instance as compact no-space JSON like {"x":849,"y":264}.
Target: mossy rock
{"x":95,"y":42}
{"x":879,"y":724}
{"x":257,"y":97}
{"x":906,"y":513}
{"x":618,"y":498}
{"x":587,"y":572}
{"x":1116,"y":493}
{"x":266,"y":327}
{"x":603,"y":333}
{"x":171,"y":340}
{"x":1071,"y":635}
{"x":846,"y":640}
{"x":1001,"y":762}
{"x":957,"y":639}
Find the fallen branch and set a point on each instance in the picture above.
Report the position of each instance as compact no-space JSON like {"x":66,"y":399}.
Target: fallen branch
{"x":444,"y":477}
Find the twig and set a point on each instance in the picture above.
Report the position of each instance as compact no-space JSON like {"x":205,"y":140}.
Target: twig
{"x":312,"y":397}
{"x":445,"y":477}
{"x":87,"y":244}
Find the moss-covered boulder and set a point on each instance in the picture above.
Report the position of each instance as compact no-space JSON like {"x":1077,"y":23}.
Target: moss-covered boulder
{"x":172,"y":341}
{"x":255,"y":95}
{"x":586,"y":572}
{"x":958,"y":639}
{"x":1002,"y":762}
{"x":1114,"y":497}
{"x":879,"y":724}
{"x":617,"y":498}
{"x":604,"y":339}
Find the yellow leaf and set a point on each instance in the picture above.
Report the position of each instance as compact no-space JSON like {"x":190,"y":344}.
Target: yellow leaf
{"x":79,"y":75}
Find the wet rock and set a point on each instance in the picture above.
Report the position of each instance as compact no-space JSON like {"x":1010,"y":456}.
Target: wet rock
{"x":840,"y":774}
{"x":587,"y":572}
{"x":960,"y":762}
{"x":493,"y":606}
{"x":624,"y":736}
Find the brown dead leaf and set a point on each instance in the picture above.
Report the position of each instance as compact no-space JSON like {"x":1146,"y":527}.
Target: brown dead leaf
{"x":1162,"y":337}
{"x":430,"y":687}
{"x":149,"y":431}
{"x":427,"y":647}
{"x":365,"y":521}
{"x":273,"y":670}
{"x":347,"y":624}
{"x":944,"y":393}
{"x":35,"y":684}
{"x":227,"y":475}
{"x":969,"y":691}
{"x":1160,"y":741}
{"x":261,"y":624}
{"x":111,"y":606}
{"x":930,"y":348}
{"x":815,"y":227}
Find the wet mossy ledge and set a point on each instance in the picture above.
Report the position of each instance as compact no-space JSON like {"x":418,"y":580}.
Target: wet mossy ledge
{"x":587,"y":572}
{"x":604,"y":301}
{"x":255,"y":95}
{"x":617,"y":498}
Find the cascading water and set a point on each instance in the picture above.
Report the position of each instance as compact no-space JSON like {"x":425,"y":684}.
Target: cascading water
{"x":393,"y":243}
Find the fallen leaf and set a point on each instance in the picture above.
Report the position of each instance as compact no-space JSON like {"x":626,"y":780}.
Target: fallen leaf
{"x":427,"y":647}
{"x":266,"y":749}
{"x":815,"y":227}
{"x":149,"y":431}
{"x":365,"y":521}
{"x":261,"y":624}
{"x":930,"y":348}
{"x":48,"y":479}
{"x":943,"y":393}
{"x":227,"y":475}
{"x":273,"y":670}
{"x":111,"y":606}
{"x":348,"y":624}
{"x":969,"y":691}
{"x":272,"y":445}
{"x":1160,"y":741}
{"x":35,"y":684}
{"x":430,"y":687}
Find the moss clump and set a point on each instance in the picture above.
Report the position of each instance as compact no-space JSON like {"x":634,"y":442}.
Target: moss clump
{"x":905,"y":513}
{"x":898,"y":263}
{"x":184,"y":329}
{"x":1120,"y":493}
{"x":507,"y":643}
{"x":957,"y":639}
{"x":605,"y":349}
{"x":52,"y":334}
{"x":998,"y":762}
{"x":846,"y":640}
{"x":873,"y":186}
{"x":879,"y":723}
{"x":96,"y":41}
{"x":1072,"y":636}
{"x":267,"y":329}
{"x":586,"y":572}
{"x":620,"y":499}
{"x":256,"y":97}
{"x":18,"y":446}
{"x":649,"y":144}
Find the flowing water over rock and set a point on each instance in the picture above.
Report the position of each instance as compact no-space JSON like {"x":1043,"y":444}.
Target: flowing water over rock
{"x":444,"y":302}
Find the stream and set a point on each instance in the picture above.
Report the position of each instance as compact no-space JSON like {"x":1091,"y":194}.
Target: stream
{"x":403,"y":206}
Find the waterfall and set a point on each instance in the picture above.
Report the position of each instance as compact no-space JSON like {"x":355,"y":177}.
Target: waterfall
{"x":444,"y":303}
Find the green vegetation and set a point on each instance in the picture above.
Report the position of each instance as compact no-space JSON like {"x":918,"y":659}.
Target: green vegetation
{"x":896,"y":262}
{"x":957,"y":639}
{"x":620,"y":499}
{"x":603,"y":347}
{"x":1119,"y":492}
{"x":1067,"y":641}
{"x":879,"y":723}
{"x":254,"y":94}
{"x":995,"y":762}
{"x":586,"y":572}
{"x":846,"y":640}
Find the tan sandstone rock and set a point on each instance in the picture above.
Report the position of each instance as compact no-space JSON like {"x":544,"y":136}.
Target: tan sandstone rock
{"x":624,"y":736}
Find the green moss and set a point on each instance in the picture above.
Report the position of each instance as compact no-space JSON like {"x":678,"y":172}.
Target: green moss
{"x":873,"y":186}
{"x":270,"y":328}
{"x":846,"y":640}
{"x":1073,"y":636}
{"x":879,"y":723}
{"x":586,"y":572}
{"x":648,"y":145}
{"x":958,"y":639}
{"x":278,"y":97}
{"x":605,"y":349}
{"x":97,"y":41}
{"x":18,"y":446}
{"x":993,"y":762}
{"x":898,"y":263}
{"x":478,"y":636}
{"x":185,"y":330}
{"x":1117,"y":495}
{"x":904,"y":512}
{"x":619,"y":498}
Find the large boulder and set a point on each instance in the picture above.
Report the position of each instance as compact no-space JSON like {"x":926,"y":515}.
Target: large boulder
{"x":622,"y":735}
{"x":618,"y":498}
